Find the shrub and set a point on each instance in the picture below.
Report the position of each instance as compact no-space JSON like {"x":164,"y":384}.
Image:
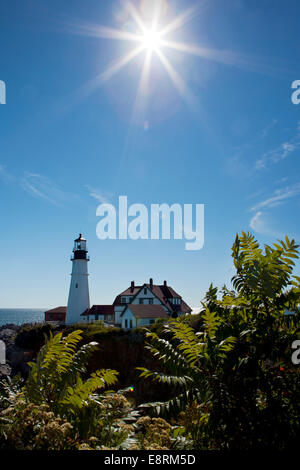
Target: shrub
{"x":237,"y":386}
{"x":140,"y":330}
{"x":94,"y":331}
{"x":30,"y":427}
{"x":56,"y":378}
{"x":33,"y":336}
{"x":60,"y":408}
{"x":154,"y":433}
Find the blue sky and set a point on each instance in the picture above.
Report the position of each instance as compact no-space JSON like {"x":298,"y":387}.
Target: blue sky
{"x":233,"y":146}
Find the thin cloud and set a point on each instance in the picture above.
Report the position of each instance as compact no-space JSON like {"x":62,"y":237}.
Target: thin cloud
{"x":282,"y":180}
{"x":42,"y":187}
{"x":279,"y":153}
{"x":275,"y":155}
{"x":256,"y":221}
{"x":267,"y":129}
{"x":100,"y":196}
{"x":279,"y":197}
{"x":260,"y":224}
{"x":5,"y":176}
{"x":238,"y":163}
{"x":39,"y":186}
{"x":256,"y":194}
{"x":260,"y":221}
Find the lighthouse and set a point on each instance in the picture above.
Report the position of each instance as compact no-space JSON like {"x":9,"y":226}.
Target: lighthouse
{"x":79,"y":297}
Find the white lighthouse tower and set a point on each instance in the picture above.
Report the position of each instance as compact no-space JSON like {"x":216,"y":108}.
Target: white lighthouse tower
{"x":79,"y":297}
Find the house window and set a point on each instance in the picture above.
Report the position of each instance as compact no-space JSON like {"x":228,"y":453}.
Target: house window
{"x":96,"y":317}
{"x":151,"y":322}
{"x":130,"y":323}
{"x":123,"y":300}
{"x":145,"y":290}
{"x":76,"y":285}
{"x":130,"y":299}
{"x":150,"y":301}
{"x":141,"y":301}
{"x":126,"y":323}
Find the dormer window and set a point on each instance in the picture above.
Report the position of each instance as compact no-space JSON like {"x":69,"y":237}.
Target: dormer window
{"x":123,"y":300}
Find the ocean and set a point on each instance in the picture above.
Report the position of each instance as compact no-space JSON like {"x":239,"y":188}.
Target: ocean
{"x":19,"y":316}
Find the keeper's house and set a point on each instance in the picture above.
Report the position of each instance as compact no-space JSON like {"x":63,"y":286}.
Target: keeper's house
{"x":137,"y":315}
{"x":140,"y":306}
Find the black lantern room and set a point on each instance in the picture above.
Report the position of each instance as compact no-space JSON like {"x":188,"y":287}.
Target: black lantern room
{"x":80,"y":248}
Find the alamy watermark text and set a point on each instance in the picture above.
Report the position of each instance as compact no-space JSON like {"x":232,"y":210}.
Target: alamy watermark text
{"x":2,"y":92}
{"x":296,"y":353}
{"x":2,"y":353}
{"x":161,"y":222}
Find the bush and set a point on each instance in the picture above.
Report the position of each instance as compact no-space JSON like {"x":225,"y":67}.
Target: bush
{"x":30,"y":427}
{"x":94,"y":331}
{"x":33,"y":336}
{"x":154,"y":433}
{"x":140,"y":330}
{"x":238,"y":388}
{"x":58,"y":408}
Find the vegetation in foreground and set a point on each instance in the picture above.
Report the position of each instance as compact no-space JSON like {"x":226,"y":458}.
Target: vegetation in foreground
{"x":230,"y":372}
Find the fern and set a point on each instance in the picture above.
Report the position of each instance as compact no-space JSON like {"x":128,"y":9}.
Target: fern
{"x":211,"y":322}
{"x":186,"y":361}
{"x":56,"y":376}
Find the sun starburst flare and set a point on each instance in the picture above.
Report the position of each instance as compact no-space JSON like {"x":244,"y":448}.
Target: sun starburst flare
{"x":150,"y":38}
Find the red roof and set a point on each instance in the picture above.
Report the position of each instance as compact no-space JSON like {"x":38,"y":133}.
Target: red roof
{"x":99,"y":310}
{"x":163,"y":292}
{"x":57,"y":310}
{"x":128,"y":292}
{"x":148,"y":311}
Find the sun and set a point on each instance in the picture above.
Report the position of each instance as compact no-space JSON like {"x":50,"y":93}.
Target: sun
{"x":151,"y":40}
{"x":145,"y":29}
{"x":152,"y":37}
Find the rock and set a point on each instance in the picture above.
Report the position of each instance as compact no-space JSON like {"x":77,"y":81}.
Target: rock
{"x":10,"y":326}
{"x":5,"y":371}
{"x":8,"y":334}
